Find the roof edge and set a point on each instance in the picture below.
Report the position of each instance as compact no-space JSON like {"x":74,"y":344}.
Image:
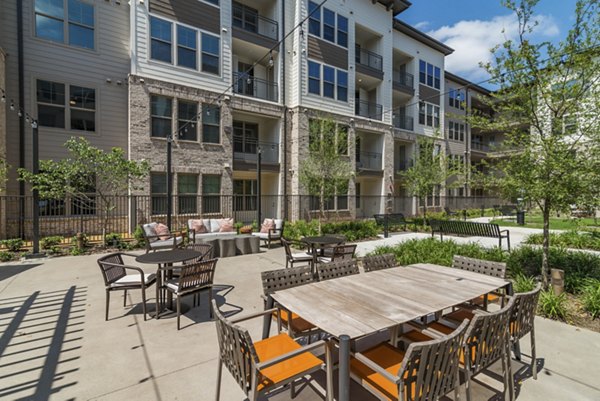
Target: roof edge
{"x":422,"y":37}
{"x":397,"y":6}
{"x":466,"y":82}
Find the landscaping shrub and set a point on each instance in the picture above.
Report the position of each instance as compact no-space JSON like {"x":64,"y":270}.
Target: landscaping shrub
{"x":6,"y":256}
{"x":115,"y":240}
{"x":13,"y":245}
{"x":591,"y":298}
{"x":138,"y":235}
{"x":569,"y":239}
{"x":50,"y":242}
{"x":553,"y":306}
{"x":523,"y":283}
{"x":298,"y":229}
{"x":352,"y":230}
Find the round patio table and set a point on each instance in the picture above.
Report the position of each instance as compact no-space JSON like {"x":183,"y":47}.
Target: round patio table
{"x":320,"y":243}
{"x":165,"y":260}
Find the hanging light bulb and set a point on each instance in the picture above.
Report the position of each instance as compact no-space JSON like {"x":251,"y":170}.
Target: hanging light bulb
{"x":12,"y":106}
{"x":271,"y":62}
{"x":27,"y":118}
{"x":248,"y":81}
{"x":34,"y":124}
{"x":208,"y":111}
{"x":20,"y":113}
{"x":3,"y":98}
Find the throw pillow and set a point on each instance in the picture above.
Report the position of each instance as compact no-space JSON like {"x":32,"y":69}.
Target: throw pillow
{"x":226,"y":225}
{"x":267,"y":225}
{"x":162,"y":231}
{"x":198,"y":226}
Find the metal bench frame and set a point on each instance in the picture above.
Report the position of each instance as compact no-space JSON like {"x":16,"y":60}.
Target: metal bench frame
{"x":387,"y":219}
{"x":469,"y":228}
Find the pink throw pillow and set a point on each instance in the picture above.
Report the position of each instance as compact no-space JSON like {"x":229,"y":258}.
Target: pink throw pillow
{"x":267,"y":225}
{"x":198,"y":226}
{"x":162,"y":231}
{"x":226,"y":225}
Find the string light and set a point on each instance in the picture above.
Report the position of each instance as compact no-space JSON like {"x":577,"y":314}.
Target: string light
{"x":20,"y":112}
{"x":12,"y":106}
{"x":271,"y":62}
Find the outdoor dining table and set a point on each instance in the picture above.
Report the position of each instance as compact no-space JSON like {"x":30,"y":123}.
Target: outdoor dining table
{"x":165,"y":261}
{"x":318,"y":244}
{"x":352,"y":307}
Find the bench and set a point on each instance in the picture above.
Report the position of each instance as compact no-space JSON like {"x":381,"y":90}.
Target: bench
{"x":506,"y":210}
{"x":390,"y":219}
{"x":469,"y":228}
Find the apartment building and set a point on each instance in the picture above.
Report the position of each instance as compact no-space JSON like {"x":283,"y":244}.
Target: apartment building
{"x":217,"y":78}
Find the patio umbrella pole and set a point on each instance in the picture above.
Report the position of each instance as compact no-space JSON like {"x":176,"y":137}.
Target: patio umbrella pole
{"x":169,"y":183}
{"x":344,"y":369}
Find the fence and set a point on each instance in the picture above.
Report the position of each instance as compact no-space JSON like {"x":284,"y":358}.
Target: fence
{"x":122,"y":214}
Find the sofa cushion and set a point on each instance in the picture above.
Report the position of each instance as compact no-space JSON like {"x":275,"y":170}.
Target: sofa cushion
{"x":197,"y":225}
{"x":210,"y":235}
{"x":226,"y":225}
{"x":215,"y":227}
{"x":150,"y":231}
{"x":278,"y":224}
{"x":134,"y":279}
{"x":162,"y":231}
{"x":164,"y":244}
{"x":267,"y":225}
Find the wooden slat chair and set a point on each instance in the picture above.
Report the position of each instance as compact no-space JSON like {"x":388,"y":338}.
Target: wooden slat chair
{"x":114,"y":272}
{"x":193,"y":278}
{"x":263,"y":366}
{"x":486,"y":341}
{"x":205,"y":249}
{"x":276,"y":280}
{"x":347,"y":251}
{"x":489,"y":268}
{"x":379,"y":262}
{"x":426,"y":371}
{"x":336,"y":269}
{"x":522,"y":322}
{"x":295,"y":257}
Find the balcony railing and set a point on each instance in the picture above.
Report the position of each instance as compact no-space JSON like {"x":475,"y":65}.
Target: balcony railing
{"x":404,"y":122}
{"x":248,"y":85}
{"x":402,"y":165}
{"x":480,"y":146}
{"x":368,"y":161}
{"x":246,"y":150}
{"x":368,"y":109}
{"x":248,"y":20}
{"x":404,"y":80}
{"x":369,"y":59}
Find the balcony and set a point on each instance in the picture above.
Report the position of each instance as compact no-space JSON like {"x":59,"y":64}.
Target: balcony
{"x":248,"y":25}
{"x":368,"y":161}
{"x":245,"y":154}
{"x":403,"y":82}
{"x":479,"y":147}
{"x":404,"y":122}
{"x":367,"y":109}
{"x":402,"y":165}
{"x":247,"y":85}
{"x":369,"y":63}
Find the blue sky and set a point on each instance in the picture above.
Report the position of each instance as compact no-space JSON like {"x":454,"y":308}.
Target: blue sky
{"x":472,"y":27}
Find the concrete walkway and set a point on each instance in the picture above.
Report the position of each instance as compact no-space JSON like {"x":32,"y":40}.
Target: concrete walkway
{"x":55,"y":344}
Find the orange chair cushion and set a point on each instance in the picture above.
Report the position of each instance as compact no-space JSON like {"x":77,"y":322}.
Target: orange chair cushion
{"x":417,"y":336}
{"x":491,"y":298}
{"x":273,"y":347}
{"x":459,"y":315}
{"x":298,"y":324}
{"x":386,"y":356}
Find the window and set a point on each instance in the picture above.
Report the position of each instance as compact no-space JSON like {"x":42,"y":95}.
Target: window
{"x":357,"y":190}
{"x":187,"y":113}
{"x":210,"y":54}
{"x":328,"y":82}
{"x":314,"y":78}
{"x":158,"y":193}
{"x":211,"y":123}
{"x":314,"y":22}
{"x":215,"y":2}
{"x":457,"y":99}
{"x":342,"y":31}
{"x":342,"y":85}
{"x":82,"y":103}
{"x":51,"y":104}
{"x":569,"y":124}
{"x":245,"y":137}
{"x":328,"y":25}
{"x":161,"y":115}
{"x":244,"y":193}
{"x":342,"y":139}
{"x":211,"y":191}
{"x":342,"y":197}
{"x":187,"y":190}
{"x":429,"y":74}
{"x":160,"y":39}
{"x":245,"y":17}
{"x":186,"y":47}
{"x":456,"y":131}
{"x":50,"y":19}
{"x":429,"y":114}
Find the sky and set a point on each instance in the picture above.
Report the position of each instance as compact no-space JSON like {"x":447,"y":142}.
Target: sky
{"x":473,"y":27}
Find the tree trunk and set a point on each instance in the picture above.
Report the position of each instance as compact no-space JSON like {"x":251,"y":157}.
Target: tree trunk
{"x":546,"y":246}
{"x":422,"y":201}
{"x":321,"y":209}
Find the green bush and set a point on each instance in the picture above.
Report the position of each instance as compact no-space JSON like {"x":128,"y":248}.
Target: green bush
{"x":352,"y":230}
{"x":6,"y":256}
{"x":569,"y":239}
{"x":553,"y":306}
{"x":13,"y":245}
{"x":591,"y":298}
{"x":140,"y":239}
{"x":301,"y":228}
{"x":49,"y":242}
{"x":55,"y":250}
{"x":75,"y":251}
{"x":523,"y":283}
{"x":115,"y":240}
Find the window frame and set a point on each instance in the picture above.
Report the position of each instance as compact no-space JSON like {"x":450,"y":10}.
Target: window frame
{"x":206,"y":195}
{"x":213,"y":108}
{"x":339,"y":30}
{"x":151,"y":39}
{"x":316,"y":22}
{"x":186,"y":196}
{"x":65,"y":21}
{"x":244,"y":201}
{"x":67,"y":107}
{"x":169,"y":118}
{"x":159,"y":198}
{"x":179,"y":46}
{"x":192,"y":123}
{"x":424,"y":110}
{"x":314,"y":19}
{"x":88,"y":110}
{"x":204,"y":52}
{"x":430,"y":73}
{"x":321,"y":80}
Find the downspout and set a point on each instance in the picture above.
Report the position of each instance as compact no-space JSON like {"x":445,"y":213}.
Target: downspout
{"x":285,"y":113}
{"x":21,"y":120}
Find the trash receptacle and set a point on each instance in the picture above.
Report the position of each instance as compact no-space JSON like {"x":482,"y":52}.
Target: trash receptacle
{"x":521,"y":217}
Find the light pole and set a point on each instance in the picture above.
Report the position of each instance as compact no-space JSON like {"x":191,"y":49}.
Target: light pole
{"x":169,"y":181}
{"x":36,"y":195}
{"x":258,"y":182}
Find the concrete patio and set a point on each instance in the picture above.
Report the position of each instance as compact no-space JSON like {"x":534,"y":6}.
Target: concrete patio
{"x":55,"y":344}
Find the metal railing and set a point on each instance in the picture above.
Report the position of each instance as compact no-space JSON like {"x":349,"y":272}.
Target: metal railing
{"x":367,"y":109}
{"x":247,"y":150}
{"x":404,"y":79}
{"x":480,"y":146}
{"x":404,"y":122}
{"x":248,"y":85}
{"x":368,"y":161}
{"x":250,"y":21}
{"x":369,"y":59}
{"x":402,"y":165}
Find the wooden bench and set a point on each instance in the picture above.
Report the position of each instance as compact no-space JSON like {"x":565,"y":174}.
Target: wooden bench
{"x":469,"y":228}
{"x":390,"y":219}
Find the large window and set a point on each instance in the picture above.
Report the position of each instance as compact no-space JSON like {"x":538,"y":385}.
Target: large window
{"x":211,"y":124}
{"x":429,"y":114}
{"x":160,"y":39}
{"x":211,"y":194}
{"x":51,"y":104}
{"x":210,"y":54}
{"x":186,"y":47}
{"x":342,"y":85}
{"x":53,"y":110}
{"x":158,"y":193}
{"x":329,"y":82}
{"x":245,"y":137}
{"x":328,"y":25}
{"x":186,"y":120}
{"x":342,"y":31}
{"x":187,"y":191}
{"x":456,"y":131}
{"x":334,"y":82}
{"x":314,"y":21}
{"x":244,"y":192}
{"x":457,"y":99}
{"x":314,"y":78}
{"x":73,"y":25}
{"x":161,"y":115}
{"x":429,"y":74}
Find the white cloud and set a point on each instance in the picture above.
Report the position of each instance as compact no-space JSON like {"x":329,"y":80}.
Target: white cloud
{"x":472,"y":41}
{"x":422,"y":25}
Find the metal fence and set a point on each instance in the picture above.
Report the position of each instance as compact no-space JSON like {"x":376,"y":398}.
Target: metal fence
{"x":122,"y":214}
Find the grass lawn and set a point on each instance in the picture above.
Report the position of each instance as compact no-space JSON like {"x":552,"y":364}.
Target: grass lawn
{"x":556,"y":223}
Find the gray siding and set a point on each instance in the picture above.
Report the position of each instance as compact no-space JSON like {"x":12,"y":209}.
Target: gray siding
{"x":429,"y":95}
{"x":191,"y":12}
{"x":327,"y":53}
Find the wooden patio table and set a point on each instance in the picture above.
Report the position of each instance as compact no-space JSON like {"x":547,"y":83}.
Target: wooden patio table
{"x":355,"y":306}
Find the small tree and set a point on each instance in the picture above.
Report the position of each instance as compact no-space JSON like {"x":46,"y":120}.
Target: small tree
{"x":430,"y":170}
{"x":547,"y":107}
{"x":4,"y":167}
{"x":325,"y":171}
{"x":88,"y":174}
